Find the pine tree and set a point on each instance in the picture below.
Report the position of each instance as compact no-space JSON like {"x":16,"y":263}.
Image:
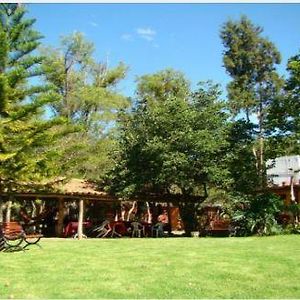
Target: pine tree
{"x":24,"y":132}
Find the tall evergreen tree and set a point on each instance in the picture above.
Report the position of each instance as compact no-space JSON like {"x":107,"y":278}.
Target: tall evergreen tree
{"x":251,"y":60}
{"x":23,"y":131}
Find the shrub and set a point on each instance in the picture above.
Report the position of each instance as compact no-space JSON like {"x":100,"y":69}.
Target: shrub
{"x":256,"y":214}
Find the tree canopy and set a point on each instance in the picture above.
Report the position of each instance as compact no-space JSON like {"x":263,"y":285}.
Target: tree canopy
{"x":251,"y":60}
{"x":87,"y":96}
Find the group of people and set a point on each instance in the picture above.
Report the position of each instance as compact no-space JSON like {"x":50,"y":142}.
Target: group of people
{"x":131,"y":221}
{"x":134,"y":228}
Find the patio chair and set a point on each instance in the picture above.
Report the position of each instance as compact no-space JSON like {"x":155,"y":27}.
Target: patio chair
{"x":158,"y":230}
{"x":137,"y":229}
{"x":103,"y":230}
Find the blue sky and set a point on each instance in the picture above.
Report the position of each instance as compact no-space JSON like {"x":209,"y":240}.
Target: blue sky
{"x":151,"y":37}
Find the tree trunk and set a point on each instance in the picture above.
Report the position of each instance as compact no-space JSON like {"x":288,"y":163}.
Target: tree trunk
{"x":131,"y":210}
{"x":261,"y":162}
{"x":188,"y":213}
{"x":1,"y":210}
{"x":149,"y":215}
{"x":247,"y":115}
{"x":8,"y":210}
{"x":123,"y":212}
{"x":80,"y":220}
{"x":33,"y":213}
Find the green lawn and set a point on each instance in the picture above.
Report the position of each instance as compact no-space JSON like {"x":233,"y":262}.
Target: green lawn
{"x":253,"y":267}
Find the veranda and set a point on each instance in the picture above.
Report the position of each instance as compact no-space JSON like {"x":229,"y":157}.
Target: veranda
{"x":67,"y":209}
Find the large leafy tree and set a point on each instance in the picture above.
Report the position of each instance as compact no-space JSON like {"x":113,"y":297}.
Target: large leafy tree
{"x":24,"y":133}
{"x":240,"y":161}
{"x":285,"y":113}
{"x":293,"y":89}
{"x":169,"y":143}
{"x":87,"y":96}
{"x":251,"y":59}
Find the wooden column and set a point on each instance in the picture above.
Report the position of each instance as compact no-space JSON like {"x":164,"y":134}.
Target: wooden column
{"x":61,"y":214}
{"x":80,"y":219}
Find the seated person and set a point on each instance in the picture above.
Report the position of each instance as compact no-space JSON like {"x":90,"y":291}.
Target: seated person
{"x":163,"y":217}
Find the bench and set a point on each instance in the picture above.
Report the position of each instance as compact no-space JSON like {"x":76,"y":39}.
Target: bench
{"x":219,"y":228}
{"x":14,"y":235}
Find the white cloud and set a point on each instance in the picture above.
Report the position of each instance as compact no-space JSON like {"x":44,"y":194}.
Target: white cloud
{"x":126,"y":37}
{"x":94,"y":24}
{"x":147,"y":34}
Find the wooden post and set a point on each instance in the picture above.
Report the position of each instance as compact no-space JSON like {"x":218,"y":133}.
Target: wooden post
{"x":149,"y":215}
{"x":131,"y":210}
{"x":61,"y":214}
{"x":80,"y":219}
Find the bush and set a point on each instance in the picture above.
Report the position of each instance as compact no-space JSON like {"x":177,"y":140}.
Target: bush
{"x":292,"y":229}
{"x":256,"y":214}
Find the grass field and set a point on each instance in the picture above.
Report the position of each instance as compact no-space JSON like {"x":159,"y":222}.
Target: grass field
{"x":252,"y":267}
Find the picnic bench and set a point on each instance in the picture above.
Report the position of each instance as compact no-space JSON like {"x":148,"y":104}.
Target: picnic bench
{"x":13,"y":235}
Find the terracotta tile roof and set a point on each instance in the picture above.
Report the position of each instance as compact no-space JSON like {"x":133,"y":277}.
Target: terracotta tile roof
{"x":79,"y":187}
{"x":61,"y":186}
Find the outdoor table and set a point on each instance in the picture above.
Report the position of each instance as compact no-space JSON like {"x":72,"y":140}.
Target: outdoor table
{"x":118,"y":228}
{"x":72,"y":228}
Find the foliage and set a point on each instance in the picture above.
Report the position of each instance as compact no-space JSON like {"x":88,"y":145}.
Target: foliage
{"x":169,"y":143}
{"x":251,"y":60}
{"x":24,"y":133}
{"x":87,"y":97}
{"x":292,"y":229}
{"x":256,"y":214}
{"x":285,"y":113}
{"x":240,"y":161}
{"x":291,"y":217}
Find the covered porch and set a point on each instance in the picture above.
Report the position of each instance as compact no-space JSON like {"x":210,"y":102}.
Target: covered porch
{"x":76,"y":203}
